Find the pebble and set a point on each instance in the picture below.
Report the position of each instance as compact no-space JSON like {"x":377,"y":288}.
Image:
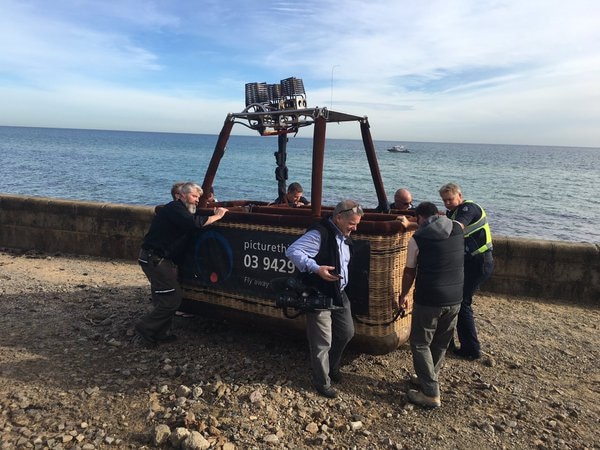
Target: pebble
{"x":197,"y":392}
{"x":271,"y":439}
{"x":356,"y":425}
{"x":195,"y":441}
{"x":183,"y":391}
{"x":178,"y":436}
{"x":161,"y":434}
{"x":312,"y":428}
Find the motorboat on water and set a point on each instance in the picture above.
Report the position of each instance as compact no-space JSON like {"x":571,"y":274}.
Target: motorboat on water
{"x":398,"y":149}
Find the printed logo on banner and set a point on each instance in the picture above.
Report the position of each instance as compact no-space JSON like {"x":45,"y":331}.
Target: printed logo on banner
{"x":213,"y":258}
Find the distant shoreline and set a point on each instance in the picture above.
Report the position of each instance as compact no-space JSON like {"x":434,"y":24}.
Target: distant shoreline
{"x":252,"y":134}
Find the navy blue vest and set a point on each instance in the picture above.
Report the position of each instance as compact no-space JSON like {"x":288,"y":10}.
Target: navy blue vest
{"x":440,"y":269}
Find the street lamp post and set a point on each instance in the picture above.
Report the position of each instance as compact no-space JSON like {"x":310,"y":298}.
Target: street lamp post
{"x":331,"y":100}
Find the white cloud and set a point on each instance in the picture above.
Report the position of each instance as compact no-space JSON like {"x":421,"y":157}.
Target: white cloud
{"x":503,"y":71}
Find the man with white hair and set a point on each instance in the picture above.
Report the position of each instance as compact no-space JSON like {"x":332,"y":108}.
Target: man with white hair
{"x":162,"y":250}
{"x":322,"y":255}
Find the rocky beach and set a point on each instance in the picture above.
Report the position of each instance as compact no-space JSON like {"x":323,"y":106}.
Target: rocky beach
{"x":72,"y":375}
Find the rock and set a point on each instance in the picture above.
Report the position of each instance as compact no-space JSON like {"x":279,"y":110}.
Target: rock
{"x":197,"y":392}
{"x":255,"y":396}
{"x":178,"y":436}
{"x":195,"y":441}
{"x":183,"y":391}
{"x":271,"y":439}
{"x":312,"y":428}
{"x":190,"y":419}
{"x":155,"y":405}
{"x":161,"y":434}
{"x":356,"y":425}
{"x":489,"y":361}
{"x":92,"y":391}
{"x":115,"y":343}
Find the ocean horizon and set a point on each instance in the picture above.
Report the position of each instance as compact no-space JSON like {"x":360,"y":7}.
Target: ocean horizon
{"x":539,"y":192}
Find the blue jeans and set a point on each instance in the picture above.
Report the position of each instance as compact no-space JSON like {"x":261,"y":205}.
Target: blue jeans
{"x":477,"y":269}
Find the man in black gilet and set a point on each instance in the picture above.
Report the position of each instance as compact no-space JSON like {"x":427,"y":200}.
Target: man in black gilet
{"x":323,"y":255}
{"x":436,"y":259}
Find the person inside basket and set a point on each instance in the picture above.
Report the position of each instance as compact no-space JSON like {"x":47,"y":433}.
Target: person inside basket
{"x":293,"y":197}
{"x":435,"y":258}
{"x":322,"y":255}
{"x":403,"y":200}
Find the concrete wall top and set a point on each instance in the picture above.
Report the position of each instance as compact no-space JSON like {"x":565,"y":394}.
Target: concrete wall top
{"x":535,"y":268}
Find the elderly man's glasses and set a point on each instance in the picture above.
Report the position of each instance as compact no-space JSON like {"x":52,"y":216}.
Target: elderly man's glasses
{"x":355,"y":209}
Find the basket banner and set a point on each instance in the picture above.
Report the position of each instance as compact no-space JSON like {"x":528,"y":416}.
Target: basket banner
{"x":245,"y":261}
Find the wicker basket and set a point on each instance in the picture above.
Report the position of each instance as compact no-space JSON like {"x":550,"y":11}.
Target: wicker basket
{"x":376,"y":332}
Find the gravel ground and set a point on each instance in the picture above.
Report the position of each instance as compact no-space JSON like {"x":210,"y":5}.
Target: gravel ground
{"x":72,"y":377}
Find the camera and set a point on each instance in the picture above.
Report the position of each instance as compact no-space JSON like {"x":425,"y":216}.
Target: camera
{"x":292,"y":293}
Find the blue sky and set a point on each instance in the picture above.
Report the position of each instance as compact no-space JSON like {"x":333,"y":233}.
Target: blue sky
{"x":487,"y":71}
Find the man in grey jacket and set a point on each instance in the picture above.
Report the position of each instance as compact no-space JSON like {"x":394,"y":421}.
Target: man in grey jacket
{"x":436,"y":259}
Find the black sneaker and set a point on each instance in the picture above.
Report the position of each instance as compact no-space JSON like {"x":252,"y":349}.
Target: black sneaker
{"x":146,"y":337}
{"x":336,"y":377}
{"x":166,"y":338}
{"x":461,"y":353}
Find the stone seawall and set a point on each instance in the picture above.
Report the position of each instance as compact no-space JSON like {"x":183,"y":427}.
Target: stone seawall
{"x":535,"y":268}
{"x":75,"y":227}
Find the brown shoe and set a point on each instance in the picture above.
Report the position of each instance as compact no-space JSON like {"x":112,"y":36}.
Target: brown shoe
{"x":418,"y":398}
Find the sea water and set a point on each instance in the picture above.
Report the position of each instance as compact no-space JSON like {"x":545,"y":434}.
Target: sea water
{"x":528,"y":191}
